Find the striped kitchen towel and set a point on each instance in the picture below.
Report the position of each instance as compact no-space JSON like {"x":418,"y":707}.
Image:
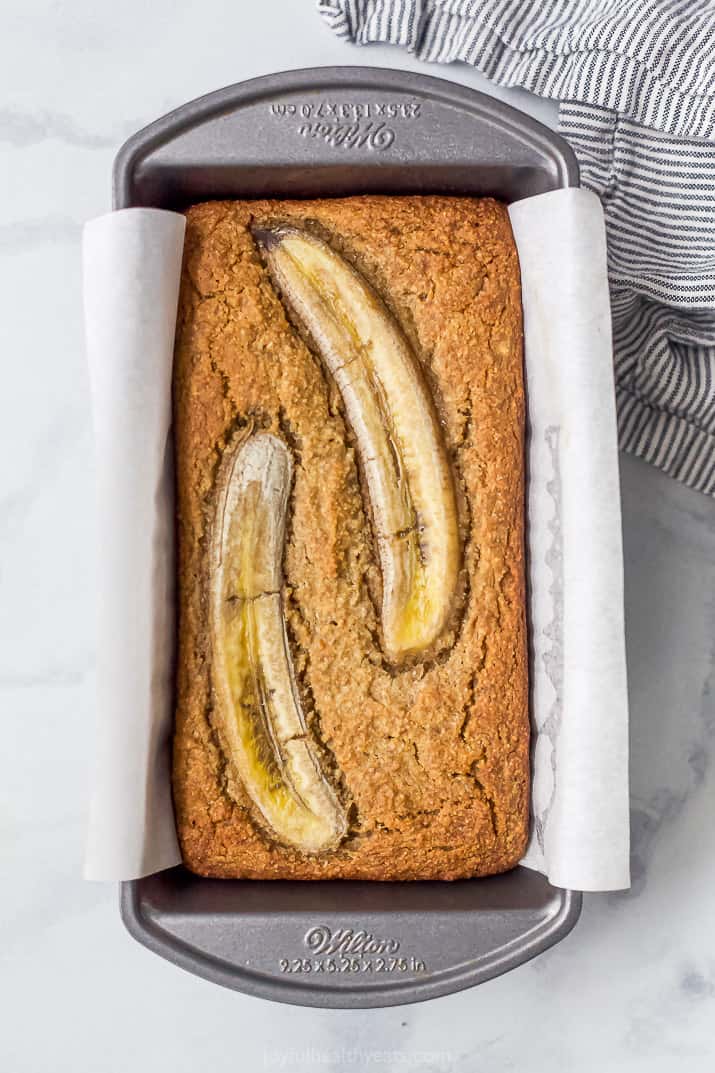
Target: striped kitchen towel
{"x":636,"y":82}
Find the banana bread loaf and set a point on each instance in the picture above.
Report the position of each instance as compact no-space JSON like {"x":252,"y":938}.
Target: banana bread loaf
{"x":349,"y":412}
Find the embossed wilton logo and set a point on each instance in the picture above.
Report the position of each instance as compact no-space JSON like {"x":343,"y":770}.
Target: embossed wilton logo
{"x":321,"y":940}
{"x":351,"y":135}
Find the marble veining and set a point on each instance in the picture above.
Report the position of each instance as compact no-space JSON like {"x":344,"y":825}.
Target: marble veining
{"x":21,"y":235}
{"x":25,"y":128}
{"x":631,"y":990}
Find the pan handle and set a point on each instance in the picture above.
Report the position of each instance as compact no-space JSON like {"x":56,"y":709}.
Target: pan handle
{"x":334,"y":131}
{"x":347,"y":944}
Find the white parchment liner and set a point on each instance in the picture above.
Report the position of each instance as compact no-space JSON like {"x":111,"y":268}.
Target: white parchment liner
{"x":580,"y":834}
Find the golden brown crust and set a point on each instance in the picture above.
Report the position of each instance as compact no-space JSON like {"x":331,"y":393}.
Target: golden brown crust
{"x":434,"y":757}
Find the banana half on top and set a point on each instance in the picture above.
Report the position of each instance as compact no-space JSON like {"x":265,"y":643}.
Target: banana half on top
{"x":396,"y":427}
{"x":414,"y":514}
{"x":258,"y":708}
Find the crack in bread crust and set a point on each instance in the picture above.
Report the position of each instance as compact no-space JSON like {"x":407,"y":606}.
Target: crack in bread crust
{"x":436,"y":757}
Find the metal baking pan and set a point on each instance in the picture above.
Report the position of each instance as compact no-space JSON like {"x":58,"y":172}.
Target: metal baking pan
{"x":316,"y":133}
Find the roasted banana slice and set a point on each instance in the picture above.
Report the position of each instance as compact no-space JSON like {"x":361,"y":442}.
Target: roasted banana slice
{"x":395,"y":423}
{"x":258,"y":706}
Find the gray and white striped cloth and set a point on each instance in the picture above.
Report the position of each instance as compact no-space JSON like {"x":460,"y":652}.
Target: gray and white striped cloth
{"x":636,"y":82}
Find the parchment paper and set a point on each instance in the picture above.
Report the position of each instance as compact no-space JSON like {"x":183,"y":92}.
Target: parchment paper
{"x":132,"y":266}
{"x":132,"y":263}
{"x":580,"y":835}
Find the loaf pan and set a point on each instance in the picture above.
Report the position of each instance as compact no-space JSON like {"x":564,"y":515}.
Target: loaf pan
{"x":324,"y":132}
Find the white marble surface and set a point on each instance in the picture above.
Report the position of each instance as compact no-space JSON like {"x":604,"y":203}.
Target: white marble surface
{"x":632,"y":989}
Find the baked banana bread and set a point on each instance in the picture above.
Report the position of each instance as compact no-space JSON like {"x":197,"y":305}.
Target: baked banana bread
{"x":349,"y":431}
